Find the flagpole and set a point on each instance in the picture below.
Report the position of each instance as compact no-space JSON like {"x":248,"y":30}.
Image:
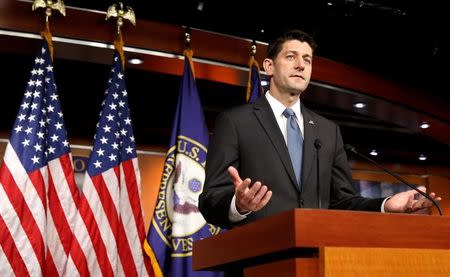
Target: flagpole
{"x":251,"y":94}
{"x":129,"y":182}
{"x":49,"y":6}
{"x":120,"y":13}
{"x":36,"y":173}
{"x":177,"y":221}
{"x":188,"y":52}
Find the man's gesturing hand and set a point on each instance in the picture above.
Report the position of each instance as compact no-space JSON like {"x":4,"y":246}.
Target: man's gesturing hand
{"x":404,"y":202}
{"x":248,"y":198}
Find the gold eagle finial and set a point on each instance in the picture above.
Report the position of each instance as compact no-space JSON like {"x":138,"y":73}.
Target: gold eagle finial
{"x":50,"y":5}
{"x":118,"y":11}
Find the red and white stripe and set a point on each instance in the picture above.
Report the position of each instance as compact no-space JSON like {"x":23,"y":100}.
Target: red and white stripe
{"x":134,"y":225}
{"x":63,"y":197}
{"x":5,"y":268}
{"x":110,"y":210}
{"x":22,"y":216}
{"x":37,"y":215}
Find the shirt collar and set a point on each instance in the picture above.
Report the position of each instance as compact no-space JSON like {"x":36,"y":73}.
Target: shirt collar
{"x":278,"y":108}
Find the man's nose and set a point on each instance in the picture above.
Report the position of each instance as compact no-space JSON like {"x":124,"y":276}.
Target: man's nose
{"x":299,"y":64}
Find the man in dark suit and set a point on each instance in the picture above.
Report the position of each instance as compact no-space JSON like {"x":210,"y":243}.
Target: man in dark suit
{"x":271,"y":144}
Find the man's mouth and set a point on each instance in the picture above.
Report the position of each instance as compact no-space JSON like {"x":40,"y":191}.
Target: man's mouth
{"x":298,"y":76}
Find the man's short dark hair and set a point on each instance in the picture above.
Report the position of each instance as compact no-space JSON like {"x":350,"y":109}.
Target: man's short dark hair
{"x":276,"y":46}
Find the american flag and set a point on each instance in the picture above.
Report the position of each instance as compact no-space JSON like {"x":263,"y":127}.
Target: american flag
{"x":38,"y":194}
{"x":111,"y":227}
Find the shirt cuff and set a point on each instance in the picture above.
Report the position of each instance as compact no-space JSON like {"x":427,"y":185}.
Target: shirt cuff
{"x":233,"y":214}
{"x":382,"y":204}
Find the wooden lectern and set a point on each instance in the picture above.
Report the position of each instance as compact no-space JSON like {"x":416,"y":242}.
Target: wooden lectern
{"x":306,"y":242}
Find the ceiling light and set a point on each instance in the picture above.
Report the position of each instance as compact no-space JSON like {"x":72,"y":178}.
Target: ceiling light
{"x":264,"y":83}
{"x":330,"y":4}
{"x":200,"y":6}
{"x":359,"y":105}
{"x":262,"y":31}
{"x":424,"y":125}
{"x":135,"y":60}
{"x":422,"y":157}
{"x":373,"y":152}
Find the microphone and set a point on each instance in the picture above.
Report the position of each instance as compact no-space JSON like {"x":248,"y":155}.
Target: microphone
{"x":317,"y":145}
{"x":350,"y":148}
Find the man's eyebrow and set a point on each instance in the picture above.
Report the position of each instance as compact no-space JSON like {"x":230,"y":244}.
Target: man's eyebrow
{"x":297,"y":53}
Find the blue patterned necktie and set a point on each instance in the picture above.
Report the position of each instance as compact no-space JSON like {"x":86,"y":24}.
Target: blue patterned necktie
{"x":294,"y":143}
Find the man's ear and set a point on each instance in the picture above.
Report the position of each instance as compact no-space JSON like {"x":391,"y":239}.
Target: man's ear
{"x":268,"y":66}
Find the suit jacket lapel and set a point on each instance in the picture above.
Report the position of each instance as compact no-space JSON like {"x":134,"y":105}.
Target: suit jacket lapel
{"x":265,"y":115}
{"x":309,"y":154}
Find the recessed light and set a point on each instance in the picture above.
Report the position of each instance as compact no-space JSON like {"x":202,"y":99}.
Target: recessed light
{"x":425,"y":125}
{"x":262,"y":31}
{"x":422,"y":157}
{"x":359,"y":105}
{"x":200,"y":6}
{"x":135,"y":60}
{"x":373,"y":152}
{"x":330,"y":4}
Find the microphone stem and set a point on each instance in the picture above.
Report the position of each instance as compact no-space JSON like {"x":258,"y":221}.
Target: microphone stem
{"x":400,"y":179}
{"x":318,"y":179}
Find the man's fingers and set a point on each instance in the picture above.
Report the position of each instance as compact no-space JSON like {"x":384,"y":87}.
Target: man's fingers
{"x":242,"y":188}
{"x":259,"y":195}
{"x":422,"y":188}
{"x":436,"y":198}
{"x":410,"y":203}
{"x":421,"y":203}
{"x":254,"y":198}
{"x":425,"y":203}
{"x":235,"y":175}
{"x":253,"y":190}
{"x":264,"y":200}
{"x":247,"y":197}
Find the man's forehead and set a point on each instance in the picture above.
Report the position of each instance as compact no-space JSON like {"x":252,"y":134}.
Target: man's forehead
{"x":297,"y":46}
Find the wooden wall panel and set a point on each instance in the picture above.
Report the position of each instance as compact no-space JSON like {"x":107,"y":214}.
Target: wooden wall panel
{"x":368,"y":262}
{"x":151,"y":167}
{"x":384,"y":177}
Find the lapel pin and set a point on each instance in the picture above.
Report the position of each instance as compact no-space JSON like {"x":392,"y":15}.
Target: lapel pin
{"x":311,"y":122}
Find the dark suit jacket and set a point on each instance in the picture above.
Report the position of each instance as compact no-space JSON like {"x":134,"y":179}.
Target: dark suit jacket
{"x":249,"y":138}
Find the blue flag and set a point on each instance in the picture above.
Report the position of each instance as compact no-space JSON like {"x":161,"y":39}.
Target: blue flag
{"x":254,"y":89}
{"x":177,"y":221}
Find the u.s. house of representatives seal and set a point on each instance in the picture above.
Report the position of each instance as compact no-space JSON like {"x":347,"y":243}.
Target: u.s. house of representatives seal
{"x":177,"y":218}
